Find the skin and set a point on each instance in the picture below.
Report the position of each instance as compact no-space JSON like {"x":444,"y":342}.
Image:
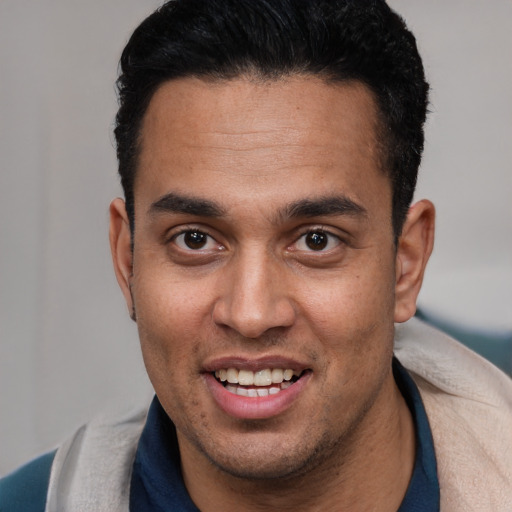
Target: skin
{"x":256,"y":152}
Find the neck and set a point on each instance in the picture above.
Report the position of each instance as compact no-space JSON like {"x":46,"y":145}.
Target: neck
{"x":372,"y":466}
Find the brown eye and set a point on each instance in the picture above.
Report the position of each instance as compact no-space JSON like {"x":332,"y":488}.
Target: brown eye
{"x":316,"y":241}
{"x":195,"y":239}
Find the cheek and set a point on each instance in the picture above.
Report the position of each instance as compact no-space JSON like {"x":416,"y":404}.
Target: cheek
{"x":170,"y":321}
{"x":352,"y":301}
{"x":170,"y":317}
{"x":177,"y":306}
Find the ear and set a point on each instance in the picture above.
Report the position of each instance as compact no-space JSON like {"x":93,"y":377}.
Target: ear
{"x":120,"y":247}
{"x":414,"y":248}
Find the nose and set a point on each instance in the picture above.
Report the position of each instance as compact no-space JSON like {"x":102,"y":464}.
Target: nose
{"x":254,"y":297}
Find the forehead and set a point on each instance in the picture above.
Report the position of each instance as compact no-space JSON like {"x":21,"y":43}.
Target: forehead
{"x":301,"y":132}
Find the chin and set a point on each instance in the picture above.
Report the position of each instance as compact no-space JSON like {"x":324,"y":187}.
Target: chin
{"x":275,"y":460}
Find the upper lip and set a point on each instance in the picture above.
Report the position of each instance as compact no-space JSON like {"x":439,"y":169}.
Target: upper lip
{"x":254,"y":364}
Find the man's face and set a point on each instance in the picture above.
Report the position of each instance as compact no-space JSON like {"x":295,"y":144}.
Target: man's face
{"x":263,"y":247}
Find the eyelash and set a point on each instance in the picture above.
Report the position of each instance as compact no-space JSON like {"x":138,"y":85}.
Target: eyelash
{"x":331,"y":238}
{"x":190,"y":230}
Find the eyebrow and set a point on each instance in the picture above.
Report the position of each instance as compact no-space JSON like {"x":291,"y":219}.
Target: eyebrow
{"x":177,"y":203}
{"x":328,"y":205}
{"x":308,"y":208}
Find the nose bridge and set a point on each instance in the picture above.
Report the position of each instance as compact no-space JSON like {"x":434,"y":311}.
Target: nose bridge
{"x":255,"y":298}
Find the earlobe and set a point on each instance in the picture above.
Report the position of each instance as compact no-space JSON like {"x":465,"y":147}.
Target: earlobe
{"x":121,"y":249}
{"x":414,"y":248}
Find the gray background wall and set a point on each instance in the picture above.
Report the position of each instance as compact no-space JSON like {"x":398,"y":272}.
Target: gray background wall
{"x":67,"y":346}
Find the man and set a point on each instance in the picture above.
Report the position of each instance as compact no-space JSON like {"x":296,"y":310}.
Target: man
{"x":266,"y":248}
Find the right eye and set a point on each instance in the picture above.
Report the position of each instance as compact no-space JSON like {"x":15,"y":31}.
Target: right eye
{"x":195,"y":240}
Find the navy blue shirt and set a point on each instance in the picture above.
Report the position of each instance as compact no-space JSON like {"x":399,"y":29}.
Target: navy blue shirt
{"x":423,"y":492}
{"x":157,"y":483}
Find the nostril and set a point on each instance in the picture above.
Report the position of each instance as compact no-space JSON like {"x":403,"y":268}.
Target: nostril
{"x":252,"y":319}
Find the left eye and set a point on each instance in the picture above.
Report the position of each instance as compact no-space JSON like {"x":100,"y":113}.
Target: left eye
{"x":317,"y":240}
{"x":195,"y":240}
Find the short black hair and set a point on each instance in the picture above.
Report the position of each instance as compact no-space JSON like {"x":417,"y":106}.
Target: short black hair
{"x":337,"y":40}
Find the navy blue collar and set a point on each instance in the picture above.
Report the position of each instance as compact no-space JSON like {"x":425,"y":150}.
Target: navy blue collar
{"x":423,"y":492}
{"x":157,"y":483}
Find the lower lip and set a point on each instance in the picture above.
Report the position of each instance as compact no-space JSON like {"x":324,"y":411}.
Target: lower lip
{"x":255,"y":408}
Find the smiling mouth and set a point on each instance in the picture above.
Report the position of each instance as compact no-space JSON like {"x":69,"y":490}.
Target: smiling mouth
{"x":257,"y":384}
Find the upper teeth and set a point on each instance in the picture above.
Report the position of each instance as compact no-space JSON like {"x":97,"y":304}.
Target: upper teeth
{"x":260,"y":378}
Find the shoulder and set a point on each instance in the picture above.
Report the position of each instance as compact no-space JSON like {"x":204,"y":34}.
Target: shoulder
{"x":469,"y":407}
{"x":91,"y":470}
{"x":450,"y":367}
{"x":88,"y":472}
{"x":25,"y":489}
